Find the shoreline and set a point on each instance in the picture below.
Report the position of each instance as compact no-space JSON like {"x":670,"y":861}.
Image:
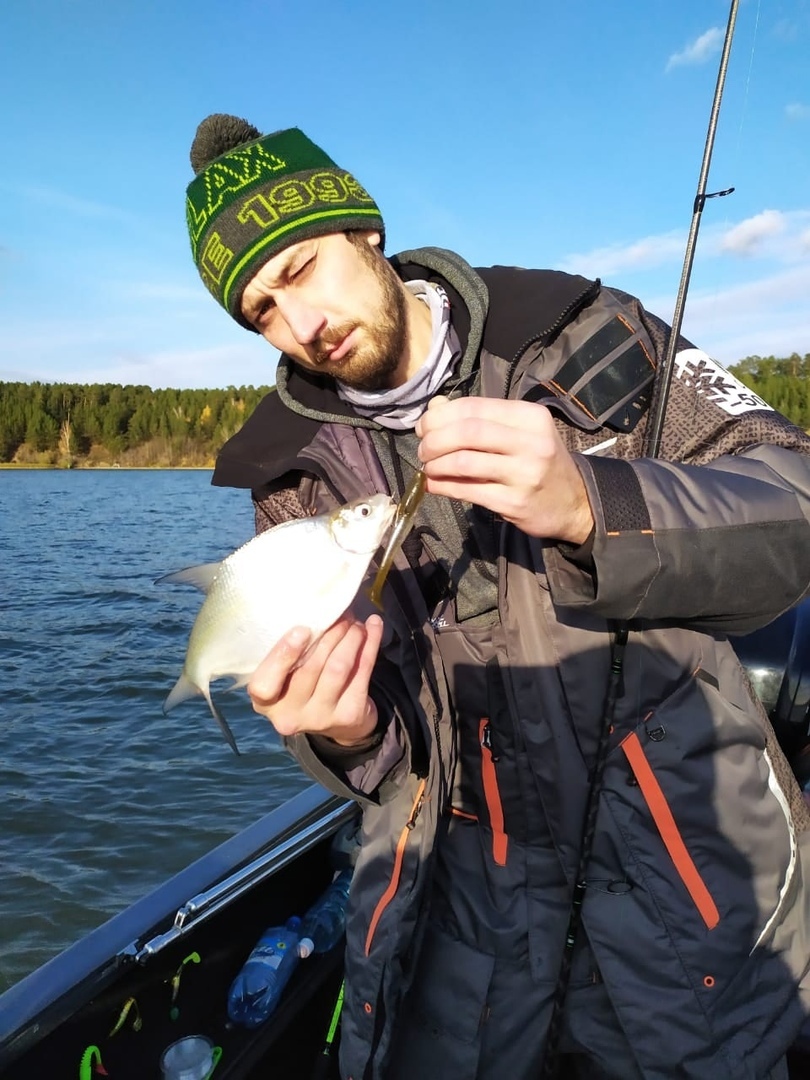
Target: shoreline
{"x":13,"y":465}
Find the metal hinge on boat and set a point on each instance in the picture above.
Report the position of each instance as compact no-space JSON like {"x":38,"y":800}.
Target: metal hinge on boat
{"x":205,"y":904}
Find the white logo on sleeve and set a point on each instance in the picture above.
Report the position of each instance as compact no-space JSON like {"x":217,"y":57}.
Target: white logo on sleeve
{"x":695,"y":368}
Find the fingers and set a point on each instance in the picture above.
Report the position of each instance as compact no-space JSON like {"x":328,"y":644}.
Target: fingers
{"x":324,"y":690}
{"x":520,"y":414}
{"x":329,"y":660}
{"x":517,"y":429}
{"x":342,"y":690}
{"x":508,"y":457}
{"x":333,"y":670}
{"x":269,"y":679}
{"x":489,"y":442}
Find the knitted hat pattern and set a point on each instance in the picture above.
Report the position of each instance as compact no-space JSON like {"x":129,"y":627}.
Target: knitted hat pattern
{"x":254,"y":195}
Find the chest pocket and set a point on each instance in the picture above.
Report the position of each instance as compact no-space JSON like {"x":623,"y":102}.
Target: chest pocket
{"x":487,"y":786}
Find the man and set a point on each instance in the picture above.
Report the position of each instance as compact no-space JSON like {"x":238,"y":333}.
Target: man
{"x":549,"y":562}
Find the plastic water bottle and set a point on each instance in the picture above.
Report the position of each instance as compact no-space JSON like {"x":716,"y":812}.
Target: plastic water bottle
{"x":257,"y":989}
{"x":323,"y":925}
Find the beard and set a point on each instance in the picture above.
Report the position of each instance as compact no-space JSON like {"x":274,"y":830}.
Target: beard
{"x":370,"y":364}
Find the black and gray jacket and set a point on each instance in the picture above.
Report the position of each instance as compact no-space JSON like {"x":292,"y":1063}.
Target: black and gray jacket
{"x":706,"y":944}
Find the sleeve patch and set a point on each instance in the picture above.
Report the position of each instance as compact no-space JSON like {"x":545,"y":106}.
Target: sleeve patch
{"x":620,"y":493}
{"x":609,"y":375}
{"x":697,"y":370}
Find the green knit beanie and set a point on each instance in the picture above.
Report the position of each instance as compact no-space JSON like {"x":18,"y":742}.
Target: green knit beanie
{"x":253,"y":195}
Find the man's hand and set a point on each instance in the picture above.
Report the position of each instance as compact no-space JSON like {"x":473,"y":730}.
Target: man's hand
{"x":508,"y":457}
{"x":326,"y":693}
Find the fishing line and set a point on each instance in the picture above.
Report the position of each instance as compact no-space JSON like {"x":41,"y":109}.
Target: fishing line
{"x":748,"y":77}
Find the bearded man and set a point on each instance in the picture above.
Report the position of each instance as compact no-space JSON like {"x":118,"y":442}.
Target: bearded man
{"x":549,"y":561}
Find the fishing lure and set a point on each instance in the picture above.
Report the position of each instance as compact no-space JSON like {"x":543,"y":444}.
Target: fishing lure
{"x":90,"y":1058}
{"x":403,"y":519}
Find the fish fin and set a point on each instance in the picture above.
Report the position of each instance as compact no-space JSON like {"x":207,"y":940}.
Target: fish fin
{"x":224,"y":726}
{"x":201,"y":577}
{"x":184,"y":688}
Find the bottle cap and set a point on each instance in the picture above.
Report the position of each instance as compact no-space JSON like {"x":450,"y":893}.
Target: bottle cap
{"x":306,"y":947}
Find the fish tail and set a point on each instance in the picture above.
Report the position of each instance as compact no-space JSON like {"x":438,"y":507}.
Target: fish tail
{"x":224,"y":726}
{"x":184,"y":688}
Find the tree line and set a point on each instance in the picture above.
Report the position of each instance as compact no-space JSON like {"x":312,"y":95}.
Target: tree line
{"x":69,"y":424}
{"x":783,"y":382}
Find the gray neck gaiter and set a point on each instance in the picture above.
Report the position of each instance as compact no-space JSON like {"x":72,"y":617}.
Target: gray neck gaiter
{"x":400,"y":408}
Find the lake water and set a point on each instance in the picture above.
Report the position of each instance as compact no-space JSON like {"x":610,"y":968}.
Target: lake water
{"x":102,"y":797}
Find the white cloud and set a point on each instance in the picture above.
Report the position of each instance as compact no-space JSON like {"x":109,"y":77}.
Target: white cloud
{"x":747,"y":237}
{"x":778,"y":235}
{"x":791,"y":29}
{"x":698,"y":51}
{"x":797,"y":111}
{"x":766,"y":317}
{"x":617,"y":258}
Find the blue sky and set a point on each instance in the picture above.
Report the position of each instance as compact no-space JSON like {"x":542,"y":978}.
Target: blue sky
{"x":520,"y":132}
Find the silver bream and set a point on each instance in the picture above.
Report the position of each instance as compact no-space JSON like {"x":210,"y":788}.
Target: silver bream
{"x":300,"y":573}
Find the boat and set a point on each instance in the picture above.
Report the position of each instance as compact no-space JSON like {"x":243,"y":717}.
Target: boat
{"x":160,"y":970}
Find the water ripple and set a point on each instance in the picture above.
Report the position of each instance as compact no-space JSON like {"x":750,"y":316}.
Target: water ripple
{"x":103,"y":795}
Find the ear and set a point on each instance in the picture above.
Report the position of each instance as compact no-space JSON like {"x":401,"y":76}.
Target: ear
{"x":373,"y":238}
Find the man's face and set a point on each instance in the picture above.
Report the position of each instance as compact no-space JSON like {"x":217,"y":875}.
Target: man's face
{"x":335,"y":306}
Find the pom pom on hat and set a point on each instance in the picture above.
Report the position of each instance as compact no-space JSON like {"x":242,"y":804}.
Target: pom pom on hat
{"x":218,"y":134}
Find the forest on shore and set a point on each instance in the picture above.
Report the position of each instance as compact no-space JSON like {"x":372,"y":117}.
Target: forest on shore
{"x":64,"y":425}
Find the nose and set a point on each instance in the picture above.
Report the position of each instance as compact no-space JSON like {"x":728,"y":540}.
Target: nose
{"x":305,"y":321}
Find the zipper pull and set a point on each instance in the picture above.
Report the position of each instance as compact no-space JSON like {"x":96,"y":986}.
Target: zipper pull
{"x":411,"y":822}
{"x":486,"y":742}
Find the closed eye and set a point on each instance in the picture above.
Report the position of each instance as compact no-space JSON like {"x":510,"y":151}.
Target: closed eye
{"x":261,"y":309}
{"x":302,"y":270}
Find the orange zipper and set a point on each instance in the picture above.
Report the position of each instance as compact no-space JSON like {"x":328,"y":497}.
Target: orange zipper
{"x":393,"y":884}
{"x":492,"y":794}
{"x":658,"y":806}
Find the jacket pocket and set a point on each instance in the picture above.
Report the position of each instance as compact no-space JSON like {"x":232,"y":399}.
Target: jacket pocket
{"x":439,"y":1026}
{"x":492,"y":793}
{"x":396,"y":871}
{"x":667,"y":827}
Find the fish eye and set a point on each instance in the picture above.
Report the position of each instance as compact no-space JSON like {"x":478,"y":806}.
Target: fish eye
{"x":365,"y":510}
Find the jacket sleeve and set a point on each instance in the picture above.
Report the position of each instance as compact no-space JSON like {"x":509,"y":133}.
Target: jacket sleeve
{"x":370,"y":775}
{"x":715,"y":533}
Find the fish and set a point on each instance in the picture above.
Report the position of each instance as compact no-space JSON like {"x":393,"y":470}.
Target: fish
{"x":304,"y":572}
{"x":403,"y":520}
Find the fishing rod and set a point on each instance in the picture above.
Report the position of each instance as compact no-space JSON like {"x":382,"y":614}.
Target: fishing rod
{"x":663,"y":380}
{"x":619,"y":631}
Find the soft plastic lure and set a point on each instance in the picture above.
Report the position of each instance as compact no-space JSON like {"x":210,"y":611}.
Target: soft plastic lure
{"x":402,"y":523}
{"x":130,"y":1005}
{"x":193,"y":958}
{"x":90,"y":1063}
